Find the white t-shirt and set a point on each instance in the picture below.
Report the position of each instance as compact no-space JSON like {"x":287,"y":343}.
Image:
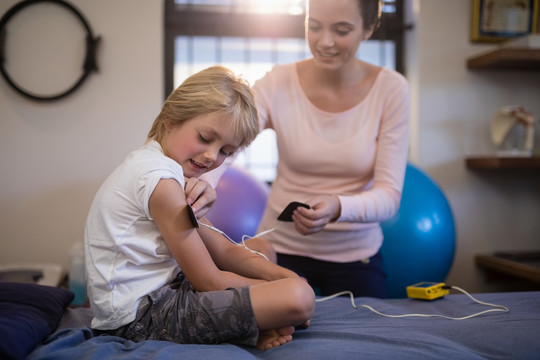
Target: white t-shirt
{"x":126,"y":255}
{"x":359,"y":154}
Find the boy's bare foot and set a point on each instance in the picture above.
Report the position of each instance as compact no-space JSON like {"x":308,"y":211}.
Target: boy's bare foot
{"x":274,"y":337}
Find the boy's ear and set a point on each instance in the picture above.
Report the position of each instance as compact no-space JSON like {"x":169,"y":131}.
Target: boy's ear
{"x":167,"y":124}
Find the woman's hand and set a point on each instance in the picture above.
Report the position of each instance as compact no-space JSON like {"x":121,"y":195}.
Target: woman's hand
{"x":324,"y":209}
{"x":200,"y":195}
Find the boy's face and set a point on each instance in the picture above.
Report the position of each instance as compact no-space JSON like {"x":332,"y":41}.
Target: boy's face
{"x":200,"y":144}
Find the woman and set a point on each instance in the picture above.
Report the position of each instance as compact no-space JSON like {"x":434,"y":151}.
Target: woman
{"x":342,"y":135}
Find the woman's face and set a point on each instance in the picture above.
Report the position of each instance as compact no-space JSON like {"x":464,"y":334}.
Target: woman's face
{"x":200,"y":144}
{"x":334,"y":30}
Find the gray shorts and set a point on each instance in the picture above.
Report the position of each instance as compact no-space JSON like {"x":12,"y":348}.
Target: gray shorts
{"x":177,"y":312}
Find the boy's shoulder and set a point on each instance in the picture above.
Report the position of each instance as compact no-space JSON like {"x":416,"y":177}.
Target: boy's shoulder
{"x":150,"y":153}
{"x":149,"y":158}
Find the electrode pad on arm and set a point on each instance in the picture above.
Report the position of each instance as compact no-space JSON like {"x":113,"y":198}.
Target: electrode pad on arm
{"x":192,"y":217}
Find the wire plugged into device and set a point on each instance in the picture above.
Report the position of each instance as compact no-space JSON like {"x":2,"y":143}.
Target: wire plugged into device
{"x":426,"y":290}
{"x":496,"y":308}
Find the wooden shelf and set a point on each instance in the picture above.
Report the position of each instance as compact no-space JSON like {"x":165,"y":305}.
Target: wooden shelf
{"x":507,"y":59}
{"x":524,"y":265}
{"x":501,"y":163}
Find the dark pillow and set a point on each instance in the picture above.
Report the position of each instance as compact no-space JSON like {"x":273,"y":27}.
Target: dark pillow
{"x":28,"y":313}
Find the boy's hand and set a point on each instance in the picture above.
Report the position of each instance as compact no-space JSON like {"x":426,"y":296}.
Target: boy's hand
{"x":200,"y":195}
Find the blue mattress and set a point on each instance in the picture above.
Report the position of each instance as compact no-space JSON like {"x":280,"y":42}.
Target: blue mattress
{"x":339,"y":331}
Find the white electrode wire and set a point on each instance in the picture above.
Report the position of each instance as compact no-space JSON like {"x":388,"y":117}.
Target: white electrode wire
{"x":243,"y":244}
{"x":259,"y":234}
{"x":498,"y":308}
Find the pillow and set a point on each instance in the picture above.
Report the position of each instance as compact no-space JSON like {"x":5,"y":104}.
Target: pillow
{"x":28,"y":313}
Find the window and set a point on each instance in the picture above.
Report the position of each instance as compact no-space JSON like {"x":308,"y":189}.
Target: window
{"x":249,"y":37}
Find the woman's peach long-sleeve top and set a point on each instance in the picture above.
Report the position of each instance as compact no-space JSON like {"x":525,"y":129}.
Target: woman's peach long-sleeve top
{"x":359,"y":154}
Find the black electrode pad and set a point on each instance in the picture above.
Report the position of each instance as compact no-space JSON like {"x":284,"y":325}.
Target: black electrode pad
{"x":286,"y":215}
{"x":192,"y":217}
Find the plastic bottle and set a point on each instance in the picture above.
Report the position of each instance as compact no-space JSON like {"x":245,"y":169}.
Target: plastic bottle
{"x":77,"y":279}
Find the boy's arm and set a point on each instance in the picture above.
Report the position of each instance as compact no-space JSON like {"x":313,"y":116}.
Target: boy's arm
{"x":239,"y":260}
{"x":168,"y":208}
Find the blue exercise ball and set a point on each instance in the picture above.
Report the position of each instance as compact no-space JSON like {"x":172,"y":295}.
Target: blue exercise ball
{"x":240,"y":204}
{"x":419,"y":241}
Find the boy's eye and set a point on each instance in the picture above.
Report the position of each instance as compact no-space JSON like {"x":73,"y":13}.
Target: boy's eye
{"x":226,"y":153}
{"x":203,"y":139}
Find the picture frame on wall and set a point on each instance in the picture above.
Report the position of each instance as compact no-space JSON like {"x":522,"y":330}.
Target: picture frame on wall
{"x":500,"y":20}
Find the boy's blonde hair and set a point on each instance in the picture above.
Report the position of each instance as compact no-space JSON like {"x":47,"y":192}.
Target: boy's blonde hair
{"x":213,"y":90}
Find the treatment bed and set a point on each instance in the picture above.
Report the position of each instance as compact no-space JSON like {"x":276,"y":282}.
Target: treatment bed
{"x":337,"y":331}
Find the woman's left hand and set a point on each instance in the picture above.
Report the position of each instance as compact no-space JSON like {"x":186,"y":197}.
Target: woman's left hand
{"x":324,"y":209}
{"x":200,"y":195}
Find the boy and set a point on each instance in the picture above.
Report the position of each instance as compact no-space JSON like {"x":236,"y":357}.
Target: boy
{"x":151,"y":274}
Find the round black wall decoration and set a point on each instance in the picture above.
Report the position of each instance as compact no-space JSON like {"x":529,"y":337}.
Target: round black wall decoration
{"x":88,"y":66}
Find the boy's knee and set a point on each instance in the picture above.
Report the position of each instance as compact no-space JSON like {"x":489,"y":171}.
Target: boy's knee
{"x":302,"y":297}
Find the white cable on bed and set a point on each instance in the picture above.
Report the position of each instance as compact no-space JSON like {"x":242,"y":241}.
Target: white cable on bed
{"x":498,"y":308}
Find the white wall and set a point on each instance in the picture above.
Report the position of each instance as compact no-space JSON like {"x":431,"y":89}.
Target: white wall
{"x":53,"y":156}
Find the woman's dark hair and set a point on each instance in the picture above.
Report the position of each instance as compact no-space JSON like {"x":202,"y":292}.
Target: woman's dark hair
{"x":371,"y":13}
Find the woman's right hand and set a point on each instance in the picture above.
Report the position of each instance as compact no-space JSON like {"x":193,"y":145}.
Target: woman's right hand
{"x":323,"y":210}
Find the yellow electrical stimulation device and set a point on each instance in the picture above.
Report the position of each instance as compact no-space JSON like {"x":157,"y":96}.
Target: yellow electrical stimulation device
{"x":427,"y":290}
